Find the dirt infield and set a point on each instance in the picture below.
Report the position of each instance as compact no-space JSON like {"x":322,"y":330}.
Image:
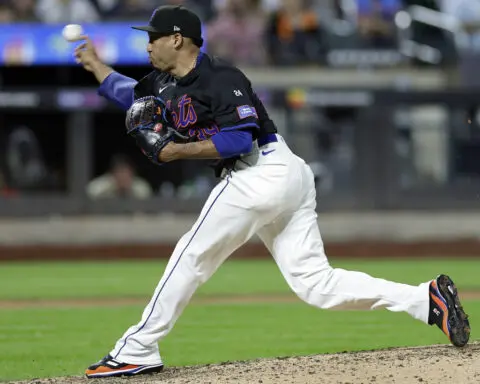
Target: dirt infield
{"x":433,"y":364}
{"x":361,"y":249}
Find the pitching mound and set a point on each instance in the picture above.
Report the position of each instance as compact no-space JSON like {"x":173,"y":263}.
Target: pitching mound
{"x":433,"y":364}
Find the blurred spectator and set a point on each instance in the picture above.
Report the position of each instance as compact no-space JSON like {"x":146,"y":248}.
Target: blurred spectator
{"x":376,"y":22}
{"x":24,"y":160}
{"x":128,"y":10}
{"x":6,"y":13}
{"x":120,"y":181}
{"x":271,"y":5}
{"x":203,"y":8}
{"x":236,"y":33}
{"x":267,"y":5}
{"x":24,"y":10}
{"x":141,"y":9}
{"x":73,"y":11}
{"x":294,"y":35}
{"x":328,"y":11}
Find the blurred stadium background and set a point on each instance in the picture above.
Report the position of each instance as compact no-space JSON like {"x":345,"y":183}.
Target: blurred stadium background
{"x":379,"y":96}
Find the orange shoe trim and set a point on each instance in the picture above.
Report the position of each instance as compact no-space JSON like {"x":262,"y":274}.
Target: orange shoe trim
{"x":103,"y":369}
{"x":442,"y":305}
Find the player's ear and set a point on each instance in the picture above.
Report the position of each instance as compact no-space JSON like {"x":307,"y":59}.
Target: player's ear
{"x":178,"y":41}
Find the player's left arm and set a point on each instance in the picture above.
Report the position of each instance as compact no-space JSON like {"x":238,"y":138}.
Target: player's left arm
{"x":234,"y":115}
{"x":222,"y":145}
{"x":198,"y":150}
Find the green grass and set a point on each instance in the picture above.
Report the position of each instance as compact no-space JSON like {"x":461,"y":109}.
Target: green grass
{"x":139,"y":278}
{"x":47,"y":342}
{"x":44,"y":342}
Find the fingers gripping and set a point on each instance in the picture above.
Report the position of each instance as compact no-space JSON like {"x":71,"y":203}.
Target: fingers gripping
{"x":84,"y":49}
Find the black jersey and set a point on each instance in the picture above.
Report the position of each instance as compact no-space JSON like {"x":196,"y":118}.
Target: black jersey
{"x":215,"y":96}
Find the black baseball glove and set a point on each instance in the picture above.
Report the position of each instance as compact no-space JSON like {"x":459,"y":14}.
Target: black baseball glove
{"x":151,"y":124}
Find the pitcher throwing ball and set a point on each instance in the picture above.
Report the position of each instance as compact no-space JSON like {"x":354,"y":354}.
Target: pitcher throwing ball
{"x":194,"y":106}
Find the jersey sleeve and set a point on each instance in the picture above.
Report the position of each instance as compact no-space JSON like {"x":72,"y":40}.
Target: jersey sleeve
{"x":233,"y":106}
{"x":118,"y":89}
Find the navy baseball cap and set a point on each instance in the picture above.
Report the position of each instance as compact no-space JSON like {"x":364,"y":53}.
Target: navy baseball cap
{"x":170,"y":19}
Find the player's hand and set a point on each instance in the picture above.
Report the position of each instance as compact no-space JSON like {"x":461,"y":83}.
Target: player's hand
{"x":86,"y":54}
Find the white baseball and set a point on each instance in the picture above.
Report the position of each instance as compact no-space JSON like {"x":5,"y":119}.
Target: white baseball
{"x":72,"y":32}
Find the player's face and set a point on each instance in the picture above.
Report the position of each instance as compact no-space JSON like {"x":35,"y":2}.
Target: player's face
{"x":162,"y":51}
{"x":123,"y":176}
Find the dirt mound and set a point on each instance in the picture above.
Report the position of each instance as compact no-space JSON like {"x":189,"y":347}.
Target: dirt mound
{"x":434,"y":364}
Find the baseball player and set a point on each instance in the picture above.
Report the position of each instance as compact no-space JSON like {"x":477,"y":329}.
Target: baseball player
{"x":194,"y":106}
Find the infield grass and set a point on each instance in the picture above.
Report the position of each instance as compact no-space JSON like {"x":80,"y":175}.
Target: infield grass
{"x":45,"y":342}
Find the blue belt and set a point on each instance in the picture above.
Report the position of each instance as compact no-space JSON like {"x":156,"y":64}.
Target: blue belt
{"x":266,"y":139}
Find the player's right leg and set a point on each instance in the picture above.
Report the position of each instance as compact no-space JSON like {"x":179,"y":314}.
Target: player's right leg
{"x":237,"y":207}
{"x":218,"y":231}
{"x":294,"y":240}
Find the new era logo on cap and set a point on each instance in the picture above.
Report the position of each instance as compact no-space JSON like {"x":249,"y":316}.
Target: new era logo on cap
{"x":176,"y":29}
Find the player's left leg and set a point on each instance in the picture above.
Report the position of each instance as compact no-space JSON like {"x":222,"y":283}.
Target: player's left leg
{"x":237,"y":207}
{"x":219,"y":230}
{"x":294,"y":240}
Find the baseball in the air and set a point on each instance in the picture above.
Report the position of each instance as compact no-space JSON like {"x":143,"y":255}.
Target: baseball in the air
{"x":72,"y":32}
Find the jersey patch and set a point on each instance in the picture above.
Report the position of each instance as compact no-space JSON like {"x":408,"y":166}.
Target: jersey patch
{"x":245,"y":111}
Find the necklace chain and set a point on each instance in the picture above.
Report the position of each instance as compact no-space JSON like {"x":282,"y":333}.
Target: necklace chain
{"x":194,"y":64}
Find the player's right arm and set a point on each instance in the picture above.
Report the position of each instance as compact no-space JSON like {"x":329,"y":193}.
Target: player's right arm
{"x":113,"y":85}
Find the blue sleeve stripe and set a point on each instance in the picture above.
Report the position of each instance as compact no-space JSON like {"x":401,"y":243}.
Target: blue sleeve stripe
{"x":233,"y":143}
{"x":240,"y":126}
{"x":118,"y":89}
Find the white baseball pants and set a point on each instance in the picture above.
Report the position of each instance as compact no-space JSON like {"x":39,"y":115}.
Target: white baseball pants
{"x":271,"y":192}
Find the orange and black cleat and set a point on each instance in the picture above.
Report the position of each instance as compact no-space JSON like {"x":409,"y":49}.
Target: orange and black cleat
{"x":108,"y":367}
{"x":447,"y":312}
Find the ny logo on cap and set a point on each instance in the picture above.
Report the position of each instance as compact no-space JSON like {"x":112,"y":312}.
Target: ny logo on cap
{"x":176,"y":29}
